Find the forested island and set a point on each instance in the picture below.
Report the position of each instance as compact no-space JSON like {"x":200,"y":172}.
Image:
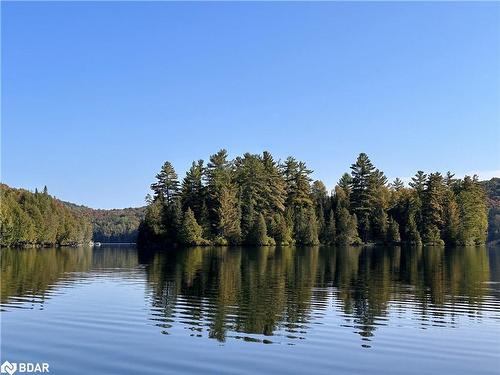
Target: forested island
{"x":255,"y":200}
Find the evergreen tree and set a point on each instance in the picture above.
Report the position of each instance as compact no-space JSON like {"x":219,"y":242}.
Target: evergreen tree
{"x":397,"y":184}
{"x":299,"y":200}
{"x":274,"y":184}
{"x":193,"y":192}
{"x":34,"y":219}
{"x":172,"y":220}
{"x":380,"y":224}
{"x":432,"y":209}
{"x":473,"y":213}
{"x":411,"y":231}
{"x":362,"y":193}
{"x":347,"y":227}
{"x":393,"y":235}
{"x":151,"y":229}
{"x":222,"y":200}
{"x":449,"y":180}
{"x":345,"y":183}
{"x":167,"y":185}
{"x":321,"y":205}
{"x":418,"y":185}
{"x":281,"y":230}
{"x":451,"y":218}
{"x":353,"y":231}
{"x":418,"y":182}
{"x":258,"y":233}
{"x":191,"y":233}
{"x":341,"y":198}
{"x":330,"y":234}
{"x":297,"y":181}
{"x":247,"y":214}
{"x":229,"y":215}
{"x":250,"y":178}
{"x":307,"y":229}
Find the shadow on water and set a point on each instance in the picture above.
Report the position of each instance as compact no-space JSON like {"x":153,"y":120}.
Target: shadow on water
{"x":272,"y":294}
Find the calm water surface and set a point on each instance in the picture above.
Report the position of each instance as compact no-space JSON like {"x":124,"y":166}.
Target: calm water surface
{"x":113,"y":310}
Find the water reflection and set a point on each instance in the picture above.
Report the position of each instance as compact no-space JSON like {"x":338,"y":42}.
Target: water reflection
{"x":250,"y":293}
{"x":33,"y":275}
{"x":272,"y":294}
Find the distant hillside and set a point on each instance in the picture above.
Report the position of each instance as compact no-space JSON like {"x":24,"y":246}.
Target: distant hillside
{"x":38,"y":219}
{"x":492,"y":188}
{"x":115,"y":225}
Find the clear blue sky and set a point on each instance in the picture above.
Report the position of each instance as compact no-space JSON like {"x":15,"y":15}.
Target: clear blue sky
{"x":96,"y":96}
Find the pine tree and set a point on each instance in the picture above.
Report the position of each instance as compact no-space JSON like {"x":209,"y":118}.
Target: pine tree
{"x":354,"y":231}
{"x":397,"y":184}
{"x":281,"y":230}
{"x":297,"y":181}
{"x":362,"y":193}
{"x":321,"y":204}
{"x":258,"y":233}
{"x":172,"y":220}
{"x":418,"y":185}
{"x":306,"y":232}
{"x":151,"y":230}
{"x":380,"y":224}
{"x":345,"y":183}
{"x":250,"y":178}
{"x":274,"y":183}
{"x":222,"y":202}
{"x":167,"y":185}
{"x":451,"y":218}
{"x":418,"y":181}
{"x":432,"y":209}
{"x":411,"y":231}
{"x":191,"y":233}
{"x":299,"y":198}
{"x":229,"y":215}
{"x":310,"y":233}
{"x":393,"y":235}
{"x":347,"y":227}
{"x":193,"y":191}
{"x":449,"y":180}
{"x":330,"y":235}
{"x":473,"y":213}
{"x":247,"y":214}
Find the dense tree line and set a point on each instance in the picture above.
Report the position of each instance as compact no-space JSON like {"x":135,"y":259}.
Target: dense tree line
{"x":492,"y":188}
{"x":256,"y":200}
{"x":38,"y":219}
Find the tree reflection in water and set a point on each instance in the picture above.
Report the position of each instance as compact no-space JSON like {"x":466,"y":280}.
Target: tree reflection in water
{"x":272,"y":294}
{"x":253,"y":292}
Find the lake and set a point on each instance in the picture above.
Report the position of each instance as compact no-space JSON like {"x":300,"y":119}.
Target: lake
{"x":320,"y":310}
